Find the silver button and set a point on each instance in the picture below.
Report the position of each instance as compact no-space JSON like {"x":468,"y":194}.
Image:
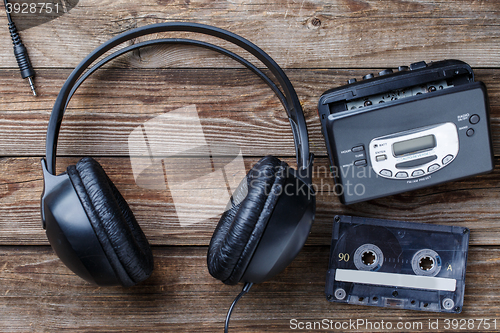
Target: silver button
{"x":433,"y":167}
{"x":402,"y":174}
{"x":386,"y":173}
{"x":381,"y":158}
{"x":447,"y":159}
{"x":417,"y":173}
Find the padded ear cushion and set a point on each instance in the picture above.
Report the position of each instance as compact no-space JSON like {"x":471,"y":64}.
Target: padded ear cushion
{"x":122,"y":239}
{"x":240,"y":228}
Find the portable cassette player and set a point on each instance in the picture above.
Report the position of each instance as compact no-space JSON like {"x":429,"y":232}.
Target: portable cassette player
{"x":420,"y":126}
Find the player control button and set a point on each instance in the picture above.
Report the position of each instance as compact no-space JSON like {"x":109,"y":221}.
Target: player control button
{"x":402,"y":174}
{"x":447,"y":159}
{"x":386,"y":173}
{"x":403,"y":68}
{"x":368,"y":76}
{"x":357,"y":149}
{"x":385,"y":72}
{"x":380,"y":158}
{"x":470,"y":132}
{"x":474,"y":119}
{"x":418,"y":173}
{"x":351,"y":81}
{"x":418,"y":65}
{"x":360,"y":163}
{"x":433,"y":167}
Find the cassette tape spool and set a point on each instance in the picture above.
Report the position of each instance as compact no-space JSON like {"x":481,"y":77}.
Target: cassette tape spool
{"x":397,"y":264}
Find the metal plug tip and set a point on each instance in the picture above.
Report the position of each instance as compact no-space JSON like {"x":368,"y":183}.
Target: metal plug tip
{"x":32,"y":85}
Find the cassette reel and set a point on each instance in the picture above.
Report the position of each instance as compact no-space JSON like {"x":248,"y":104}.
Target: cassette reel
{"x":397,"y":264}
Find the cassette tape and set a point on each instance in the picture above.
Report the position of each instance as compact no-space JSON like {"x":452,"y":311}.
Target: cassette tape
{"x":397,"y":264}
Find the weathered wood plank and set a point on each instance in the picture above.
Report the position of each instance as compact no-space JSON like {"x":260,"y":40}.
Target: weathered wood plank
{"x":38,"y":293}
{"x":471,"y":203}
{"x":308,"y":38}
{"x":110,"y":106}
{"x":315,"y":33}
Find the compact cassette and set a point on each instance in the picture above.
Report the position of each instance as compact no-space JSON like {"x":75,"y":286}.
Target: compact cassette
{"x":420,"y":126}
{"x":397,"y":264}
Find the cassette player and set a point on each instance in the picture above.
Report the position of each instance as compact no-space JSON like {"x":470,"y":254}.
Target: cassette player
{"x":397,"y":264}
{"x":420,"y":126}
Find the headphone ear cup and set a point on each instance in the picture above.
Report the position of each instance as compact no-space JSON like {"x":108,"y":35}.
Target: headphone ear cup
{"x":241,"y":226}
{"x":116,"y":228}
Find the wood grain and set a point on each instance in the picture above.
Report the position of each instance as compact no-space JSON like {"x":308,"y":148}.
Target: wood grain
{"x":39,"y":294}
{"x":320,"y":44}
{"x":112,"y":104}
{"x":471,"y":203}
{"x":297,"y":34}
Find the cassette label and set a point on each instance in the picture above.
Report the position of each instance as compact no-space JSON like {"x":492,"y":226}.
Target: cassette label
{"x":397,"y":264}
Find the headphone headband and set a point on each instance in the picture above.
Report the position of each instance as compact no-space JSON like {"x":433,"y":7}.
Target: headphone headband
{"x":293,"y":107}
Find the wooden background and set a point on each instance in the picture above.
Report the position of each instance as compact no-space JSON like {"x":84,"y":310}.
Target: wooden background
{"x":320,"y":44}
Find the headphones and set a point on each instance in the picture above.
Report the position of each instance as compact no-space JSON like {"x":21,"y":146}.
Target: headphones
{"x":93,"y":231}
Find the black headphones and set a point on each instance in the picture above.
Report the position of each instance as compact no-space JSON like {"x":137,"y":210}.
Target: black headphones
{"x":91,"y":228}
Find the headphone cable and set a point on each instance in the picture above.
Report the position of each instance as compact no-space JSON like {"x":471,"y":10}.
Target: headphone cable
{"x":20,"y":51}
{"x":246,"y":289}
{"x":7,"y":11}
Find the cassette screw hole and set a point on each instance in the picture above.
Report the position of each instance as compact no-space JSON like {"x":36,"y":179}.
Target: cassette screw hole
{"x":337,"y":219}
{"x":448,"y":304}
{"x":395,"y":293}
{"x":457,"y":309}
{"x":368,"y":103}
{"x":426,"y":263}
{"x":339,"y":294}
{"x":329,"y":297}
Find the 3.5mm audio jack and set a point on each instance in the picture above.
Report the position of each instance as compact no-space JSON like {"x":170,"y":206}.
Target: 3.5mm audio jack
{"x":23,"y":60}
